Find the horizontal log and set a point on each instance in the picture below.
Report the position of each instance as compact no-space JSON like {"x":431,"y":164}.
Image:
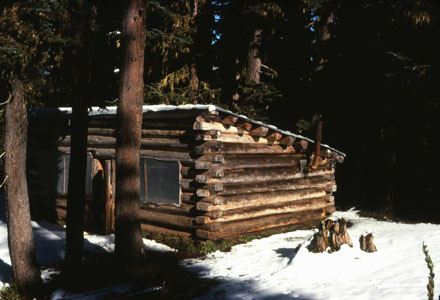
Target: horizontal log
{"x":207,"y":179}
{"x":166,"y":144}
{"x":190,"y":185}
{"x":200,"y":162}
{"x":234,"y":138}
{"x":317,"y":182}
{"x":163,"y":230}
{"x":215,"y":200}
{"x":213,"y":158}
{"x":146,"y":143}
{"x":258,"y":199}
{"x":253,"y":212}
{"x":145,"y":132}
{"x":261,"y":161}
{"x":306,"y":224}
{"x":205,"y":126}
{"x":110,"y":153}
{"x":183,"y":209}
{"x":175,"y":114}
{"x":264,"y":222}
{"x":189,"y":172}
{"x":237,"y":148}
{"x":183,"y":124}
{"x":276,"y":174}
{"x":179,"y":221}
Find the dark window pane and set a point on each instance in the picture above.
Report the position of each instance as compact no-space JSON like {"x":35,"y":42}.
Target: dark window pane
{"x":160,"y":181}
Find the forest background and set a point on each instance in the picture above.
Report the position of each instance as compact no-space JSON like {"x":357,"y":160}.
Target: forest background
{"x":370,"y":69}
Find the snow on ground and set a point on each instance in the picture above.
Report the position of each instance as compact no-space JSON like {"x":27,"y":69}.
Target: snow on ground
{"x":273,"y":268}
{"x":50,"y":243}
{"x":276,"y":268}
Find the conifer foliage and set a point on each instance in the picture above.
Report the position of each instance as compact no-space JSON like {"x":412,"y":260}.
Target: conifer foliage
{"x":30,"y":43}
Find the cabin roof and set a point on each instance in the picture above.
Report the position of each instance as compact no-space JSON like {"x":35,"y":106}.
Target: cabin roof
{"x":111,"y":110}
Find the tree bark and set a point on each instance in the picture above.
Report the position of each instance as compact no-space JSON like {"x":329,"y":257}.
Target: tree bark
{"x":254,"y":60}
{"x":324,"y":36}
{"x":128,"y":238}
{"x":20,"y":238}
{"x":193,"y":76}
{"x":78,"y":145}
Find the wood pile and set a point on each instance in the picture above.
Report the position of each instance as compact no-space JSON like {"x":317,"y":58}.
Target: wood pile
{"x":237,"y":176}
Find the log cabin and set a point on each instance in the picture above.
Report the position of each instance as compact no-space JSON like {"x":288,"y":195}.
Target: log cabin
{"x":205,"y":172}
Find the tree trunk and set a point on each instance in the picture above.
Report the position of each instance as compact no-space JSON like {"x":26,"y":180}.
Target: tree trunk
{"x":76,"y":186}
{"x":20,"y":238}
{"x":194,"y":79}
{"x":193,"y":76}
{"x":78,"y":146}
{"x":254,"y":60}
{"x":324,"y":36}
{"x":128,"y":238}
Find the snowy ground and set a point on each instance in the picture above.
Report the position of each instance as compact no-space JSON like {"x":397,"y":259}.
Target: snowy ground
{"x":272,"y":268}
{"x":276,"y":268}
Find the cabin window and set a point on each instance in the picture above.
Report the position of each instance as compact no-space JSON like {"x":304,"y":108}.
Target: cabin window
{"x":54,"y":173}
{"x":160,"y":181}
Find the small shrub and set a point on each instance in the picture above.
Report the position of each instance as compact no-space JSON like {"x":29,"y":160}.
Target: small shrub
{"x":431,"y":276}
{"x":188,"y":247}
{"x":9,"y":293}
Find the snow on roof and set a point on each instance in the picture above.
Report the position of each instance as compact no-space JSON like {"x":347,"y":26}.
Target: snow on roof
{"x":111,"y":110}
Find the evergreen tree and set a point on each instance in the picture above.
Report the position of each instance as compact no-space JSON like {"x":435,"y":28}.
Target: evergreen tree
{"x":29,"y":52}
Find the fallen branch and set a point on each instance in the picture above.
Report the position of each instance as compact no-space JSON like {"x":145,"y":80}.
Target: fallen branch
{"x":4,"y":181}
{"x":9,"y":99}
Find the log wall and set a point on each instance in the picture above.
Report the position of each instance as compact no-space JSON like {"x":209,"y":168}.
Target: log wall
{"x":236,"y":176}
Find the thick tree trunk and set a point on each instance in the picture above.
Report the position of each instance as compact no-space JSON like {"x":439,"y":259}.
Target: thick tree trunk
{"x":128,"y":238}
{"x":254,"y":60}
{"x":21,"y":242}
{"x":78,"y":145}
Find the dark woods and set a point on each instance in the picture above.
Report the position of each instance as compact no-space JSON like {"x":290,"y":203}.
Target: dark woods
{"x":369,"y":68}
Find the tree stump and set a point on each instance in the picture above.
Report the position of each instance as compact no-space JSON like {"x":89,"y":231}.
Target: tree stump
{"x":319,"y":242}
{"x":366,"y":242}
{"x":330,"y":234}
{"x":339,"y":235}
